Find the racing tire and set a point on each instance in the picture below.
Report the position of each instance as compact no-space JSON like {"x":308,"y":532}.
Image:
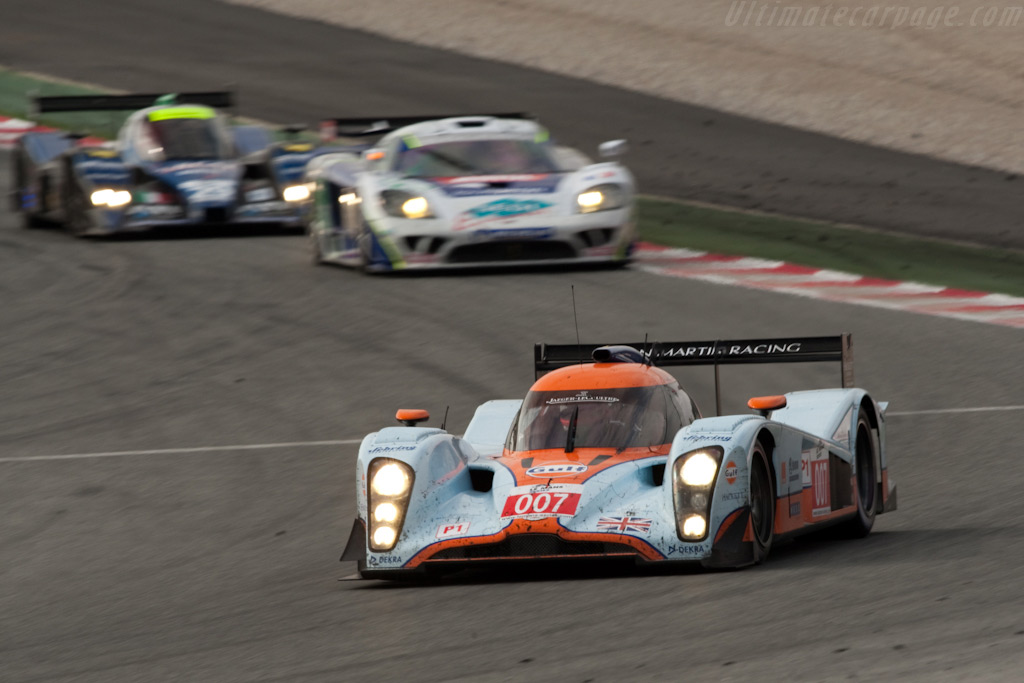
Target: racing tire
{"x":762,"y":504}
{"x":867,"y":479}
{"x":76,"y":211}
{"x":316,"y":253}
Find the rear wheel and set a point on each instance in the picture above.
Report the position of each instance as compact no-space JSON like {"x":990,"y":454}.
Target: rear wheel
{"x":762,"y":504}
{"x":867,"y":479}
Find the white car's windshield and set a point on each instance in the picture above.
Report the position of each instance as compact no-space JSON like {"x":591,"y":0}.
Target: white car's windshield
{"x":475,"y":157}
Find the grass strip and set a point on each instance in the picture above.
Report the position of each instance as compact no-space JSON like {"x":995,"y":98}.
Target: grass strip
{"x":823,"y":245}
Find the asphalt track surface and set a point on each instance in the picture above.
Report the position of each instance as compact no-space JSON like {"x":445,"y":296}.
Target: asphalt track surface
{"x":221,"y":565}
{"x":292,"y":70}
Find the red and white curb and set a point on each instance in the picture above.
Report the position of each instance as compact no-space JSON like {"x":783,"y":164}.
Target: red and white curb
{"x":831,"y":285}
{"x":778,"y":276}
{"x":12,"y":129}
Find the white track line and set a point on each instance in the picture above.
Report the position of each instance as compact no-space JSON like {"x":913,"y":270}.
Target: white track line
{"x":941,"y":411}
{"x":180,"y":451}
{"x":350,"y":442}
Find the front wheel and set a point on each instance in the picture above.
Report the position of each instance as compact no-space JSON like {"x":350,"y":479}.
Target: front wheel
{"x":867,"y":478}
{"x":762,"y":504}
{"x":76,"y":210}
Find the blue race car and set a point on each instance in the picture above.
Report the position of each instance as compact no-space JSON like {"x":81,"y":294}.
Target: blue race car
{"x":176,"y":161}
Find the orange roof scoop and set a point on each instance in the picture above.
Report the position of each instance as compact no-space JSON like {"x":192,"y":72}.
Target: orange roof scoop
{"x":410,"y":416}
{"x":766,"y":404}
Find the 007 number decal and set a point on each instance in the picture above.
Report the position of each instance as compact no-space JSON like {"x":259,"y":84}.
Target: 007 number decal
{"x":543,"y":501}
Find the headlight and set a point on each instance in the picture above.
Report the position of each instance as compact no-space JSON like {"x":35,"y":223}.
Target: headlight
{"x":110,"y":198}
{"x":390,"y":487}
{"x":699,"y":469}
{"x":695,"y":526}
{"x":402,"y":204}
{"x":601,"y":198}
{"x":693,"y":481}
{"x":390,"y":480}
{"x":295,"y":193}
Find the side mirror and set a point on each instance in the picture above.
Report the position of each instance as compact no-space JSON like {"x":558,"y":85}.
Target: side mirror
{"x":410,"y":416}
{"x":613,"y":148}
{"x":766,"y":404}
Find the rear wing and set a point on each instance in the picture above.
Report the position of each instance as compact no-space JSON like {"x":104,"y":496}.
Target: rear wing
{"x":66,"y":103}
{"x":548,"y":357}
{"x":382,"y":125}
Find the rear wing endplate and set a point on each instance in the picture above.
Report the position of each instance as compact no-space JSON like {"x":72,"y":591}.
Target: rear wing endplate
{"x":382,"y":125}
{"x":548,"y":357}
{"x":66,"y":103}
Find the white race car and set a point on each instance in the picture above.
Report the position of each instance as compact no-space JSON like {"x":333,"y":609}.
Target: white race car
{"x":467,"y":191}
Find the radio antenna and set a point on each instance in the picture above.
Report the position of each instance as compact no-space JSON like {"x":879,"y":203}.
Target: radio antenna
{"x":579,"y":347}
{"x":647,"y":359}
{"x":444,"y":420}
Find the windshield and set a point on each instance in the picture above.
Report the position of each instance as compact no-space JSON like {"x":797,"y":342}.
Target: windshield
{"x":475,"y":157}
{"x":633,"y":417}
{"x":185,"y":139}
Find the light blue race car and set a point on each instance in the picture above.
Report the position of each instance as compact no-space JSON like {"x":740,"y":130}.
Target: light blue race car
{"x":611,"y":459}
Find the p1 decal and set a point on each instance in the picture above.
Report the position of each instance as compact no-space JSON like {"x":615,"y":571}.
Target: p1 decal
{"x":820,"y":489}
{"x":558,"y":469}
{"x":537,"y":502}
{"x":731,"y":471}
{"x":452,"y":530}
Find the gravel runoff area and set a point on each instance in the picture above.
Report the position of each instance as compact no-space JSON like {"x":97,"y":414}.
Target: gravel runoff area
{"x":920,"y":78}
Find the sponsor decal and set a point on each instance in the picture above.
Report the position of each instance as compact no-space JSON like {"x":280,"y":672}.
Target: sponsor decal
{"x":581,"y":397}
{"x":820,"y":489}
{"x":794,"y":470}
{"x":625,"y":524}
{"x":154,"y":211}
{"x":691,"y":550}
{"x":513,"y":233}
{"x":298,"y":147}
{"x":560,"y":469}
{"x":102,"y":153}
{"x":730,"y":472}
{"x":384,"y":561}
{"x":497,"y":210}
{"x":390,"y":449}
{"x":537,"y":502}
{"x":452,"y":530}
{"x":842,"y":433}
{"x":707,"y":436}
{"x":794,"y":508}
{"x":260,"y":194}
{"x":734,"y":495}
{"x":209,"y":191}
{"x":698,"y":351}
{"x":784,"y":478}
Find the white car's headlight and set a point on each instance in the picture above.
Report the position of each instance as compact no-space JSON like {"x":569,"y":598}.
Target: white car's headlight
{"x":391,"y":484}
{"x":110,"y":198}
{"x":402,"y":204}
{"x":295,"y":193}
{"x":601,"y":198}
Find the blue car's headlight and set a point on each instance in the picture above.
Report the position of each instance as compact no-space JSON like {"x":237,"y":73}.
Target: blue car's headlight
{"x":693,"y":479}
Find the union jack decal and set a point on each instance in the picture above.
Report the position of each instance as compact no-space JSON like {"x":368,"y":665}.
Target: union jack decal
{"x":624,"y":524}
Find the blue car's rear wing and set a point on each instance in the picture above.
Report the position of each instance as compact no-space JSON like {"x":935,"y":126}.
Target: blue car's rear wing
{"x":547,"y":357}
{"x":66,"y":103}
{"x":382,"y":125}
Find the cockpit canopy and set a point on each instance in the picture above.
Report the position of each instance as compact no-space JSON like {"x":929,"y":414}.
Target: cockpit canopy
{"x":618,"y":418}
{"x":182,"y":133}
